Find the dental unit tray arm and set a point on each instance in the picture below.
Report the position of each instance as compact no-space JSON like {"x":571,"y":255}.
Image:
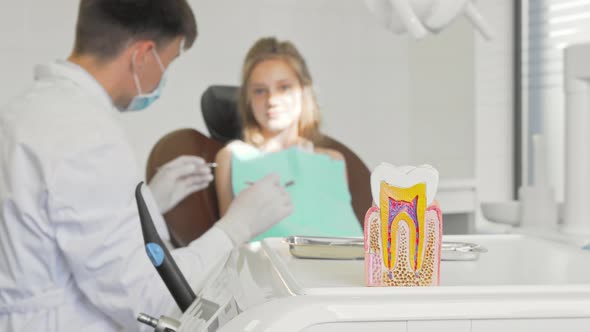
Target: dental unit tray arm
{"x":160,"y":256}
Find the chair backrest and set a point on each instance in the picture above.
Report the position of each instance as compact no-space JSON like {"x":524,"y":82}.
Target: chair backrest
{"x":219,"y":106}
{"x":198,"y":212}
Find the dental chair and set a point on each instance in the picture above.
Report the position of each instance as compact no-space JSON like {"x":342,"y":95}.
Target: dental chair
{"x":194,"y":215}
{"x":199,"y":211}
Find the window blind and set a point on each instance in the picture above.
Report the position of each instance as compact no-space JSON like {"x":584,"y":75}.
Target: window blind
{"x":548,"y":27}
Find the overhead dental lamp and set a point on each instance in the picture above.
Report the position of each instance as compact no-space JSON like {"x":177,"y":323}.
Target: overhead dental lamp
{"x":422,"y":17}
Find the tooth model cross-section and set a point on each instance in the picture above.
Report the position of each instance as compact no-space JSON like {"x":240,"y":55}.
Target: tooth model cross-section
{"x":403,"y":229}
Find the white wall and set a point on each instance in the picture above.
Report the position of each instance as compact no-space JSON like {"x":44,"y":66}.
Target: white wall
{"x":32,"y":31}
{"x":387,"y":97}
{"x":494,"y":139}
{"x":441,"y":82}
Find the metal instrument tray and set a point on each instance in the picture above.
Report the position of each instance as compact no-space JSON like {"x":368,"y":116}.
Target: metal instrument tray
{"x":351,"y":248}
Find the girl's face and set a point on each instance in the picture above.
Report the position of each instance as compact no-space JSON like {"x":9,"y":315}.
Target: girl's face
{"x":275,"y":96}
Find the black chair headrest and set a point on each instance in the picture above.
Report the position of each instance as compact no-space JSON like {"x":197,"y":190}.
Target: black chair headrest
{"x":219,"y":105}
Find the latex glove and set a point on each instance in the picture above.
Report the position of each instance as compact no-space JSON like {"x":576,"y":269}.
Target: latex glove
{"x":256,"y":209}
{"x":179,"y":178}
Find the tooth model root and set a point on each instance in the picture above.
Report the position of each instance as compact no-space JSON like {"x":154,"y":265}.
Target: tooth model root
{"x":403,"y":239}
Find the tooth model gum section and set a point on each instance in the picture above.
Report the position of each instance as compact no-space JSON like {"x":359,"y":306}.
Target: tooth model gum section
{"x":373,"y":254}
{"x":405,"y":249}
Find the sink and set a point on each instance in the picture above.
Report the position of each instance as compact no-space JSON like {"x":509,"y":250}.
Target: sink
{"x":502,"y":212}
{"x":509,"y":212}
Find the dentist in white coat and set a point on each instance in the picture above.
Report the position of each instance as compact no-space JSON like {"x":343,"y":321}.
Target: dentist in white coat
{"x":71,"y":248}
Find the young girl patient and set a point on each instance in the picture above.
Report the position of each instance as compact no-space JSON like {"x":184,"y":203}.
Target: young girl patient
{"x":280,"y":119}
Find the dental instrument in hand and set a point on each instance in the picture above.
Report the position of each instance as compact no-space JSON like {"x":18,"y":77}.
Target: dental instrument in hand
{"x":287,"y":184}
{"x":210,"y":165}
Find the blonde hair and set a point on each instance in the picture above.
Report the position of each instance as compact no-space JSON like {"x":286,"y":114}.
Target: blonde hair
{"x":267,"y":49}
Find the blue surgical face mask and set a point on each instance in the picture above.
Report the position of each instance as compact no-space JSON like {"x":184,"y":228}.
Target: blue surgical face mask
{"x":143,"y":100}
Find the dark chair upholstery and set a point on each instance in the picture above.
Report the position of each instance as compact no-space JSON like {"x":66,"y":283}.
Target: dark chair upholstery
{"x":197,"y":213}
{"x":359,"y":178}
{"x":220,"y":112}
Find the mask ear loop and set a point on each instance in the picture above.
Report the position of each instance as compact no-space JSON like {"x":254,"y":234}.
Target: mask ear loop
{"x":181,"y":50}
{"x":135,"y":78}
{"x":158,"y":60}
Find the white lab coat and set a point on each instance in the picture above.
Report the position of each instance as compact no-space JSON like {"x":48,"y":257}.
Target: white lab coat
{"x":71,"y":249}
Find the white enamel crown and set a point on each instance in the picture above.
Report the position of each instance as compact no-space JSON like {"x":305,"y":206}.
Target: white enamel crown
{"x":404,"y":177}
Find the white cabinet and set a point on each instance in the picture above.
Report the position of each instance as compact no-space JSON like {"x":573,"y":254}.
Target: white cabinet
{"x":439,"y":326}
{"x":531,"y":325}
{"x":457,"y":199}
{"x":395,"y":326}
{"x":492,"y":325}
